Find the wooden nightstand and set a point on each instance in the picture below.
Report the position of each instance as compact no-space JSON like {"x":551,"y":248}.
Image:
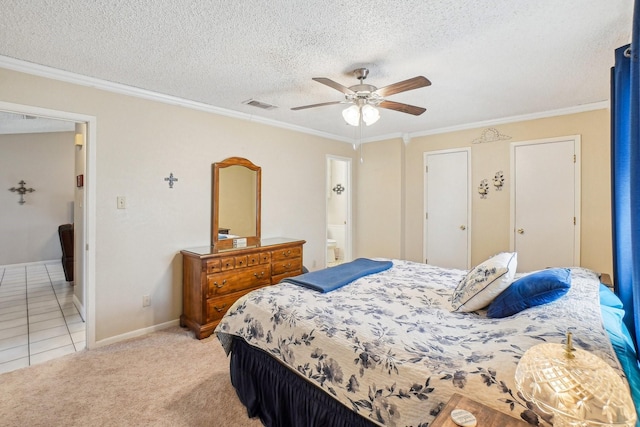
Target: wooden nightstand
{"x":605,"y":279}
{"x":485,"y":416}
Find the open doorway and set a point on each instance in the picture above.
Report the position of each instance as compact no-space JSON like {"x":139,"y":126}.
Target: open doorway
{"x":338,"y":214}
{"x":78,"y":288}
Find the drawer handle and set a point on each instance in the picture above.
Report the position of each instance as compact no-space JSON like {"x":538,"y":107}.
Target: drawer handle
{"x":224,"y":282}
{"x":259,"y":276}
{"x":228,"y":264}
{"x":240,"y":263}
{"x":288,"y":265}
{"x":286,"y":253}
{"x":219,"y":309}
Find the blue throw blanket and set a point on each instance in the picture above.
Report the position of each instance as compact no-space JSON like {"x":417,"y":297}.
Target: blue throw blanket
{"x":332,"y":278}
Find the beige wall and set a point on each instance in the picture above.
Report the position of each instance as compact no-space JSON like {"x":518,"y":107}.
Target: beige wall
{"x":490,"y":223}
{"x":45,"y":161}
{"x":379,"y":201}
{"x":139,"y":142}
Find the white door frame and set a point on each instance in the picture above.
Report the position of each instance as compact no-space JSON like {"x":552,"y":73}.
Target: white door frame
{"x":348,"y":250}
{"x":89,"y":208}
{"x":577,"y":189}
{"x":424,"y":199}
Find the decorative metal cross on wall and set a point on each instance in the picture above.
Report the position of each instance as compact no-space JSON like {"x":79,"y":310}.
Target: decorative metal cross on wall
{"x":21,"y":190}
{"x":171,"y":180}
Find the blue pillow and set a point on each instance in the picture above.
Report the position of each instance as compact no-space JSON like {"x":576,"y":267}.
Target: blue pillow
{"x":531,"y":290}
{"x":608,"y":298}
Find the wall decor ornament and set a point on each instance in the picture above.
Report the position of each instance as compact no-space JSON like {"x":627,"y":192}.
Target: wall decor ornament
{"x":22,"y":190}
{"x":483,"y":189}
{"x":490,"y":135}
{"x":171,"y":179}
{"x":498,"y":180}
{"x":338,"y":189}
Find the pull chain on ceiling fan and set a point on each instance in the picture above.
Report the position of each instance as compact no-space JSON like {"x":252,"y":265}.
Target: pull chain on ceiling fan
{"x":365,"y":98}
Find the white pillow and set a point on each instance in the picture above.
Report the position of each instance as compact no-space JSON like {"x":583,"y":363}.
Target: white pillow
{"x":484,"y":282}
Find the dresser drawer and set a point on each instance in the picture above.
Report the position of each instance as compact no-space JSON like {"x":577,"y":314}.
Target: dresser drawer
{"x":275,"y":279}
{"x":286,"y":266}
{"x":218,"y":306}
{"x":287,"y":253}
{"x":236,"y":280}
{"x":212,"y":266}
{"x":240,"y":261}
{"x":259,"y":258}
{"x":228,"y":263}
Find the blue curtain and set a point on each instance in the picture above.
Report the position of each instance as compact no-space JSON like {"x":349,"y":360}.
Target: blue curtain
{"x":625,"y":173}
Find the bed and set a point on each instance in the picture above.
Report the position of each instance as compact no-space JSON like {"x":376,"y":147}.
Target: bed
{"x":387,"y":349}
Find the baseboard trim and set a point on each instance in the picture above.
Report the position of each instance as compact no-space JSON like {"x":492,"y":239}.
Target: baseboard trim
{"x":80,"y":308}
{"x":136,"y":333}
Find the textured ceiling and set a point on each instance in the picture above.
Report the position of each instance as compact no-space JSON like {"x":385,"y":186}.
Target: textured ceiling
{"x":486,"y":60}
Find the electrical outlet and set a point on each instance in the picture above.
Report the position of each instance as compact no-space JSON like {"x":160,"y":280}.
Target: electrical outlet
{"x":146,"y":300}
{"x":121,"y":202}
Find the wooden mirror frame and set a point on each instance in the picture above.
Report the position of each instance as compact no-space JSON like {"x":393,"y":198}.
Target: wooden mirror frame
{"x":229,"y":243}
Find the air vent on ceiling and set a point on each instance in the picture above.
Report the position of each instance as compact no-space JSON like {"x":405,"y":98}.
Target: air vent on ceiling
{"x":259,"y":104}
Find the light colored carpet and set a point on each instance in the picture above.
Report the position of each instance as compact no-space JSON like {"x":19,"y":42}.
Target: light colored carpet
{"x":167,"y":378}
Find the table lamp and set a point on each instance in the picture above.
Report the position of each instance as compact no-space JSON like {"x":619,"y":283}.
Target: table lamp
{"x":577,"y":387}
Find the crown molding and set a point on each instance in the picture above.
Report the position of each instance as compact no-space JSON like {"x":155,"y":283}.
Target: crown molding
{"x":602,"y":105}
{"x":79,"y":79}
{"x":69,"y":77}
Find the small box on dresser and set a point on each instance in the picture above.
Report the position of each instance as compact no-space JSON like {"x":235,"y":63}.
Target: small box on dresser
{"x":213,"y":280}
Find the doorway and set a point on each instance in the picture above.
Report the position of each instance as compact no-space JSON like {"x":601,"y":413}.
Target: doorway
{"x":338,"y":210}
{"x":84,"y":205}
{"x":545,"y":203}
{"x":447,"y":207}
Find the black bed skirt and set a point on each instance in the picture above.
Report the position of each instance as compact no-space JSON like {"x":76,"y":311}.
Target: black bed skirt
{"x":280,"y":397}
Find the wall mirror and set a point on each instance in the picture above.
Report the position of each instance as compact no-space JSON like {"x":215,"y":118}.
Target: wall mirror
{"x":235,"y":204}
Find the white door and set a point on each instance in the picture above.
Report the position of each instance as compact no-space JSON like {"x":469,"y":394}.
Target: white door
{"x":447,"y":208}
{"x":545,"y":203}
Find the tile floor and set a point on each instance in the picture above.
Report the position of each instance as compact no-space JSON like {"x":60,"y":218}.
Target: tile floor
{"x":38,"y":320}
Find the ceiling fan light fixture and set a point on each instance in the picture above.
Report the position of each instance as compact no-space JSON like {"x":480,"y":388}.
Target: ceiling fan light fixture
{"x":352,"y":115}
{"x":370,"y":114}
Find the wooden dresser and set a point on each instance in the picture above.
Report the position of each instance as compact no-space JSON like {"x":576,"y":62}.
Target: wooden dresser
{"x":212,"y":280}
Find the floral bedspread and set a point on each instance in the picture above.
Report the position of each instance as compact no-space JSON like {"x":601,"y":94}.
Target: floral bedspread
{"x":388,"y":347}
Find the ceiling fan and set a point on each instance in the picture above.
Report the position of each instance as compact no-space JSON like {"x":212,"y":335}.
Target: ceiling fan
{"x":365,"y":98}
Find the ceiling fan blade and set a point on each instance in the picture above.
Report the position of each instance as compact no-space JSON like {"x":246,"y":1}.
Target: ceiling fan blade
{"x":405,"y":85}
{"x":335,"y":85}
{"x":320,"y":105}
{"x":404,"y":108}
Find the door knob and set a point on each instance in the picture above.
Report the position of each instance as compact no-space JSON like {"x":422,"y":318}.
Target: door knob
{"x":520,"y":230}
{"x":462,"y":227}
